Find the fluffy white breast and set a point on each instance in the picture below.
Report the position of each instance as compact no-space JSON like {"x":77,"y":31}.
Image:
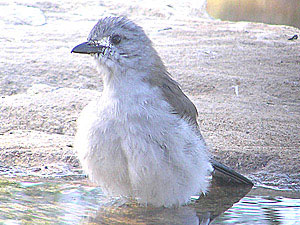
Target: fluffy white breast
{"x":130,"y":143}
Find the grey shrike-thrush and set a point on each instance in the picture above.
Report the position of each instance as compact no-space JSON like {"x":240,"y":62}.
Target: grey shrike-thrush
{"x":141,"y":137}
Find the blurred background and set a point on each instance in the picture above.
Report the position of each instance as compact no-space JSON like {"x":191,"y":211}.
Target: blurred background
{"x":286,"y":12}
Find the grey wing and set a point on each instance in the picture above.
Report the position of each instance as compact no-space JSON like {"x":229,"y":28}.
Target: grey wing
{"x":183,"y":106}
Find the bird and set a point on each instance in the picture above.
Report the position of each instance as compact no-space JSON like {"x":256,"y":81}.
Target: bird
{"x":140,"y":139}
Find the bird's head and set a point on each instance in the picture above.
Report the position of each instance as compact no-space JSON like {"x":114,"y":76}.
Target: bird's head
{"x":117,"y":44}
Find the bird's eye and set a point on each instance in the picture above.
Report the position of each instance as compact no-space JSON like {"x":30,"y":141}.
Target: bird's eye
{"x":116,"y":39}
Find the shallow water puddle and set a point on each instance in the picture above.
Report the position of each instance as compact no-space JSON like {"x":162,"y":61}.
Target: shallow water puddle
{"x":74,"y":202}
{"x":266,"y":11}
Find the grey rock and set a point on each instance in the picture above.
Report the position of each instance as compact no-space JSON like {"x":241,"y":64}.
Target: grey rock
{"x":254,"y":130}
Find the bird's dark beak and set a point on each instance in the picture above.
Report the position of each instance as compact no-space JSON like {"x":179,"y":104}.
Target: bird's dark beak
{"x":87,"y":48}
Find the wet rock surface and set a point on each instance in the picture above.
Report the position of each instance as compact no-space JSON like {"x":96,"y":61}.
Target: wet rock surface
{"x":243,"y":77}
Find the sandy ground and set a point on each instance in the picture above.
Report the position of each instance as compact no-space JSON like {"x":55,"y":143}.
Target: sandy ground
{"x":243,"y":77}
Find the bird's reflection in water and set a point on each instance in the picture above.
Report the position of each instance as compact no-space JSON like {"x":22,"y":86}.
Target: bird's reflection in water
{"x":203,"y":210}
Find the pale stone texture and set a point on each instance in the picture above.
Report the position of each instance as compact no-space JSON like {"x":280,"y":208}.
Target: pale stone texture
{"x":243,"y":77}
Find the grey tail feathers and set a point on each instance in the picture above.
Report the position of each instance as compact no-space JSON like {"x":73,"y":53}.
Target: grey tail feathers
{"x":225,"y":175}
